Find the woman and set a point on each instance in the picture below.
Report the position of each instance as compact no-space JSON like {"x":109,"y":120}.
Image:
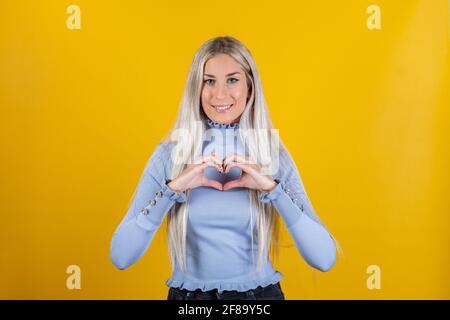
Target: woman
{"x":222,"y":182}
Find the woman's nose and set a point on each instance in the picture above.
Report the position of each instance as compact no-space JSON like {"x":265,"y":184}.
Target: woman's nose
{"x":221,"y":91}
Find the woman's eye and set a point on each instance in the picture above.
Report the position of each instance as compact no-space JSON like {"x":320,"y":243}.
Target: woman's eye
{"x":231,"y":80}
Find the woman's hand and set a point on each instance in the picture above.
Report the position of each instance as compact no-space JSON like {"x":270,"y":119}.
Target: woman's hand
{"x":192,"y":176}
{"x":251,"y":177}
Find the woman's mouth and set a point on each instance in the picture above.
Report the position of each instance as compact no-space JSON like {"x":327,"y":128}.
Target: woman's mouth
{"x":222,"y":107}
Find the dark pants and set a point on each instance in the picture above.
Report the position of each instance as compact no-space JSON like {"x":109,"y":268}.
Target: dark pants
{"x":271,"y":292}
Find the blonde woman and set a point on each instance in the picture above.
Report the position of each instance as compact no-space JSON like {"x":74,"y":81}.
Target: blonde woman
{"x":223,"y":177}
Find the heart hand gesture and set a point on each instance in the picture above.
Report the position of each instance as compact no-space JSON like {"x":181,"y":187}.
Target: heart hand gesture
{"x":251,"y":177}
{"x":193,"y":176}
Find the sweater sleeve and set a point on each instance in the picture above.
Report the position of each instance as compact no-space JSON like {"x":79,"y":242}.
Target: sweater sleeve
{"x":311,"y":237}
{"x":152,"y":200}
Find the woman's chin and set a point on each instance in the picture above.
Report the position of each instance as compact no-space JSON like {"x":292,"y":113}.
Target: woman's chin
{"x":223,"y":119}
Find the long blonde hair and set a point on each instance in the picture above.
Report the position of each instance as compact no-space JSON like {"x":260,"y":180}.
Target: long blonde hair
{"x":190,"y":113}
{"x":254,"y":116}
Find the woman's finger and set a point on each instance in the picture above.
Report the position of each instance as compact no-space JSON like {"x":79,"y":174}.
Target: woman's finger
{"x":210,"y":157}
{"x":212,"y":183}
{"x":213,"y":157}
{"x":233,"y":184}
{"x":210,"y":164}
{"x":233,"y":157}
{"x":245,"y":167}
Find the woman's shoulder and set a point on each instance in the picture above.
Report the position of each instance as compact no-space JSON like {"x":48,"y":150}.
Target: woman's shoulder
{"x":164,"y":149}
{"x":159,"y":161}
{"x":286,"y":163}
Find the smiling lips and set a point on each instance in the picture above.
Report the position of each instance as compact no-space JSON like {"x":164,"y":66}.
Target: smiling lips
{"x":222,"y":107}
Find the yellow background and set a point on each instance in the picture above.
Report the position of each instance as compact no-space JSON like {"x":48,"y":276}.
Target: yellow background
{"x":365,"y":114}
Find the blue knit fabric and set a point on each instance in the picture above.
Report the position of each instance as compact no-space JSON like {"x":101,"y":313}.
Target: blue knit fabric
{"x":221,"y":252}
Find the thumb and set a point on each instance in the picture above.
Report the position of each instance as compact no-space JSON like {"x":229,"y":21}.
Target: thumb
{"x":233,"y":184}
{"x":212,"y":183}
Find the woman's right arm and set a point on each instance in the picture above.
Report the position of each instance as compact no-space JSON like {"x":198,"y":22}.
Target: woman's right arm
{"x":153,"y":199}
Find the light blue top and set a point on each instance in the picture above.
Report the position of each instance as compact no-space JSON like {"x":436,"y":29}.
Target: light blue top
{"x":219,"y":237}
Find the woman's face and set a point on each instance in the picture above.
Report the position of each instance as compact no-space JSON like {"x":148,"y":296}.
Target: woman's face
{"x":224,"y":90}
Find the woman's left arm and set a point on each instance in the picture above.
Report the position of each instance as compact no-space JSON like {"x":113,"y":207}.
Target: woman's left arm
{"x":311,"y":237}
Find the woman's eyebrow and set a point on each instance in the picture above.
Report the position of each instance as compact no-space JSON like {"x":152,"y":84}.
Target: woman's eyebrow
{"x":230,"y":74}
